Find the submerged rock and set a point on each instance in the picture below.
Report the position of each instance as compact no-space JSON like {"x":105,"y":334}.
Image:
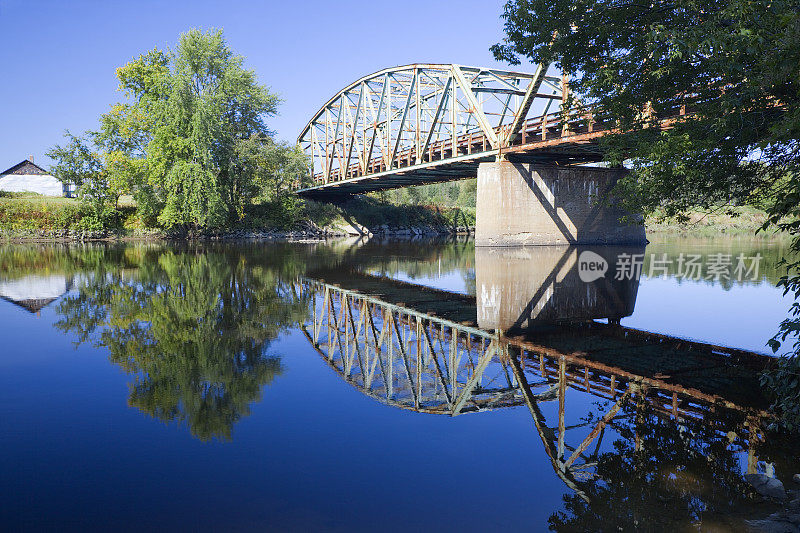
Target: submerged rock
{"x":780,"y":522}
{"x":769,"y":487}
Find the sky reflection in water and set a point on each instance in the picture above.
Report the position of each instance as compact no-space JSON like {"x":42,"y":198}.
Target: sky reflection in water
{"x":192,"y":399}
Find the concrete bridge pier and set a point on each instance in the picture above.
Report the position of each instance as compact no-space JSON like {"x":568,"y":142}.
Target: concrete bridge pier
{"x":532,"y":204}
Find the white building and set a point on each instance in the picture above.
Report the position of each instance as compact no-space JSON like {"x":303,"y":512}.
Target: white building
{"x":26,"y":176}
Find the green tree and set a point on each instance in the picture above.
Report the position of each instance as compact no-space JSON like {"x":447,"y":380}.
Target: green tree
{"x":732,"y":65}
{"x":176,"y":139}
{"x":271,"y":169}
{"x":77,"y":163}
{"x":74,"y":161}
{"x":467,"y":193}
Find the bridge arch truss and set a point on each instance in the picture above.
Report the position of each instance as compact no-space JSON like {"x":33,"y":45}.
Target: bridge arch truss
{"x":437,"y":121}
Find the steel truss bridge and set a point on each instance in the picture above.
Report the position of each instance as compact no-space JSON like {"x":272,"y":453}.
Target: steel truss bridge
{"x":408,"y":356}
{"x":425,"y":123}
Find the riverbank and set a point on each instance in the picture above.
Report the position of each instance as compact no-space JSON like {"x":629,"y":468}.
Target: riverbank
{"x":741,"y":221}
{"x":41,"y":219}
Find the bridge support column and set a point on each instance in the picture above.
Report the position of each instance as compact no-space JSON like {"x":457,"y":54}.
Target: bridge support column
{"x":530,"y":204}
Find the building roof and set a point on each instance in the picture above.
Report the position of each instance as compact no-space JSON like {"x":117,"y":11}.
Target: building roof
{"x":35,"y":292}
{"x":26,"y":166}
{"x":34,"y":305}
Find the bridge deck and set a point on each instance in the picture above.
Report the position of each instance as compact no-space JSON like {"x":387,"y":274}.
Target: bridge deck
{"x":541,"y":139}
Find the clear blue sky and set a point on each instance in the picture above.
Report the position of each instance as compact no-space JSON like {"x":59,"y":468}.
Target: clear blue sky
{"x":58,"y":57}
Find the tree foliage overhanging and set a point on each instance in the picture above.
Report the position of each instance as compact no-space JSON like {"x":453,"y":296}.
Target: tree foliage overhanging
{"x":189,"y":142}
{"x":731,"y":66}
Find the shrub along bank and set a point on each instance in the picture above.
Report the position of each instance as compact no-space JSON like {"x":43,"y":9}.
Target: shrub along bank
{"x":34,"y":217}
{"x":28,"y":216}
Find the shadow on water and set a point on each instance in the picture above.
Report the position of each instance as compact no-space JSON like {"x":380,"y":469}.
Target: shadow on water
{"x":646,"y":431}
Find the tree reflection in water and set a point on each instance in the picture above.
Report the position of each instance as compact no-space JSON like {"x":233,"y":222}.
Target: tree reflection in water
{"x":194,"y":329}
{"x":663,"y":474}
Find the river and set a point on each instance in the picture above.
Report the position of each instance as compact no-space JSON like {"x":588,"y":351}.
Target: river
{"x":402,"y":385}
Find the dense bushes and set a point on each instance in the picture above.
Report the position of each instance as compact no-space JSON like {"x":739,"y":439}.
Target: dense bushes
{"x":21,"y":212}
{"x":450,"y":194}
{"x":373,"y":212}
{"x":282,"y":213}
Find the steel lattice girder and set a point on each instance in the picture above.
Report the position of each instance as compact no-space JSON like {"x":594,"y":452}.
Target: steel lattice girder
{"x":400,"y":113}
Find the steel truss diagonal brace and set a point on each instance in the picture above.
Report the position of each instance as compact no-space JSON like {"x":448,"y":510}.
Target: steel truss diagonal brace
{"x":475,"y":107}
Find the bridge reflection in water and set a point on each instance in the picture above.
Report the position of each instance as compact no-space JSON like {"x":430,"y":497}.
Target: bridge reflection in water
{"x":528,"y":337}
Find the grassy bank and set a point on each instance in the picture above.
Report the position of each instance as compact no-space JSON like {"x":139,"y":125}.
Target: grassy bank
{"x":376,"y":214}
{"x":28,"y":211}
{"x":30,"y":216}
{"x":745,"y":221}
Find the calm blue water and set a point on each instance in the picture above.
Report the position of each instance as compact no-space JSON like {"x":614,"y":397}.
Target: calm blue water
{"x":197,"y":403}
